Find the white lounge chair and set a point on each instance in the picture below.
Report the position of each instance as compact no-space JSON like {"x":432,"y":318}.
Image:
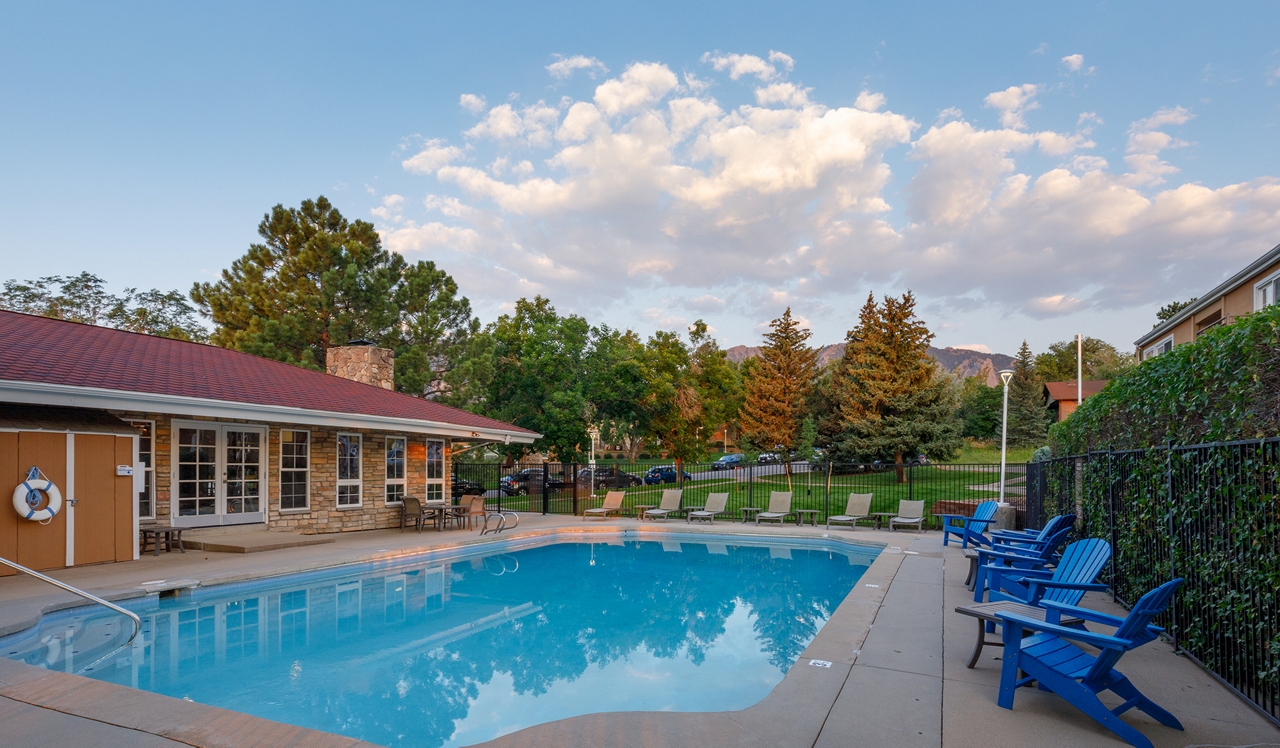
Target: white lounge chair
{"x":612,"y":505}
{"x":859,"y":507}
{"x":670,"y":504}
{"x":779,"y":507}
{"x":715,"y":505}
{"x":909,"y":513}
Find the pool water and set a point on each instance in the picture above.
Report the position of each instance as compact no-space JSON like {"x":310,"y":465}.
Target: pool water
{"x":456,"y":651}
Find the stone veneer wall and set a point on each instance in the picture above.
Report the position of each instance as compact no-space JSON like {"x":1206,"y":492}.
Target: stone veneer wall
{"x":362,"y":363}
{"x":323,"y":514}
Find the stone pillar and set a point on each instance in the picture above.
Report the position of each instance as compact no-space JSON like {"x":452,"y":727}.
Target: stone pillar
{"x":1006,"y":517}
{"x":366,"y":364}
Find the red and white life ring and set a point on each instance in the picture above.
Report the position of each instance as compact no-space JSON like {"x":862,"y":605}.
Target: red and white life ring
{"x":26,"y":497}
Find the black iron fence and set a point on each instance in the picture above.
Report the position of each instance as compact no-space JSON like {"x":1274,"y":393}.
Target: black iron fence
{"x":1208,"y":513}
{"x":824,"y":488}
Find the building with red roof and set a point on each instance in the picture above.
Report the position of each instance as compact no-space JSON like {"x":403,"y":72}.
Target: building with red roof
{"x":227,"y":438}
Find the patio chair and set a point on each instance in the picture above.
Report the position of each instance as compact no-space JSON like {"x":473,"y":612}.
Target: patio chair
{"x":970,"y":529}
{"x":1030,"y":537}
{"x":469,"y":510}
{"x":1081,"y":563}
{"x":670,"y":504}
{"x":612,"y":505}
{"x":1037,"y":555}
{"x":1051,"y":659}
{"x":859,"y":507}
{"x":412,"y":513}
{"x":909,"y":513}
{"x":715,"y":505}
{"x":779,"y":507}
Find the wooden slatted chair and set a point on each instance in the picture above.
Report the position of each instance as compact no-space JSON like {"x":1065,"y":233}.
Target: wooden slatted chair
{"x":1031,"y":537}
{"x":1037,"y":555}
{"x":970,"y":529}
{"x":1081,"y":563}
{"x":1050,"y":658}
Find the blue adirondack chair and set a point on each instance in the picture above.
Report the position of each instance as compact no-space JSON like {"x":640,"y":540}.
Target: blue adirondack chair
{"x":1035,"y":556}
{"x":1050,"y":658}
{"x":970,"y":529}
{"x":1025,"y":538}
{"x":1081,"y":563}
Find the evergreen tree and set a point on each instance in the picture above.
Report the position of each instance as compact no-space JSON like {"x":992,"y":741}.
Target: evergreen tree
{"x":780,"y":380}
{"x":1028,"y":416}
{"x":980,"y":408}
{"x":893,"y":401}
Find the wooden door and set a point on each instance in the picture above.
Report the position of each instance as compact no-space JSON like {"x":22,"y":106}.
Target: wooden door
{"x":40,"y":546}
{"x":95,"y":471}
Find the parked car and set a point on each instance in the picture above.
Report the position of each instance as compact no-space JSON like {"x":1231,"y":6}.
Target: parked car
{"x":769,"y":458}
{"x":608,"y":476}
{"x":520,"y":484}
{"x":663,"y":474}
{"x":729,"y":462}
{"x":461,"y":487}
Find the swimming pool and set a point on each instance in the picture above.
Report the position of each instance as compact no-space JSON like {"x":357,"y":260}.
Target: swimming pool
{"x":456,"y":650}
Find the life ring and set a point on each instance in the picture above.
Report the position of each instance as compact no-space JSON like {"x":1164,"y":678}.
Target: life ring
{"x":26,"y":497}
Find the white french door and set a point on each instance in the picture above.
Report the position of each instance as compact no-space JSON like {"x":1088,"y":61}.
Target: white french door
{"x":219,"y":474}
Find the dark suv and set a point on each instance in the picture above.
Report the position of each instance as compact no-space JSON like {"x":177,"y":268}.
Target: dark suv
{"x":608,"y":476}
{"x":729,"y":462}
{"x":461,"y":487}
{"x":662,"y":474}
{"x":521,"y":483}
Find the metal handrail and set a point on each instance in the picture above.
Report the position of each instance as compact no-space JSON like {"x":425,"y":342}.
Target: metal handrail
{"x":137,"y":622}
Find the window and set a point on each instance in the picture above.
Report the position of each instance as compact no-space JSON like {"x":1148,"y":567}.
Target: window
{"x":293,"y":619}
{"x":197,"y":471}
{"x":1164,"y":346}
{"x":295,"y":469}
{"x":348,"y":470}
{"x":393,"y":588}
{"x":348,"y":609}
{"x":241,"y":629}
{"x":1266,"y":293}
{"x":146,"y":453}
{"x":435,"y":470}
{"x":395,"y":469}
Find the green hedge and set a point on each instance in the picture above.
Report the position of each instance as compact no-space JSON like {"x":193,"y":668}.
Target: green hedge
{"x":1224,"y":386}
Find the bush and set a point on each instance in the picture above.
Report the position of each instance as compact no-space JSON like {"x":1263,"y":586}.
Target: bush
{"x":1224,"y":386}
{"x":1042,"y":454}
{"x":645,"y":456}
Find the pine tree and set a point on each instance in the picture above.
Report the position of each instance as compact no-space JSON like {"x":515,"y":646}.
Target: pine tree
{"x":1028,"y":417}
{"x":892,"y":400}
{"x":780,"y":379}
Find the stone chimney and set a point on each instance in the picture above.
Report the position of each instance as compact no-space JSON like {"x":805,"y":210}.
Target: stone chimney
{"x":361,"y":361}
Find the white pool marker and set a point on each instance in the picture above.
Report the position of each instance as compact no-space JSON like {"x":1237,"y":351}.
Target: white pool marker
{"x":874,"y":585}
{"x":819,"y":663}
{"x":913,"y":553}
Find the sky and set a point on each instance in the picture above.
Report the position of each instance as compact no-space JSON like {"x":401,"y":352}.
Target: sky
{"x":1027,"y":170}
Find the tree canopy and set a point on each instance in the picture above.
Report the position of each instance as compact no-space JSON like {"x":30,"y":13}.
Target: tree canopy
{"x":84,"y":298}
{"x":773,"y":407}
{"x":1101,"y":361}
{"x":1168,"y":311}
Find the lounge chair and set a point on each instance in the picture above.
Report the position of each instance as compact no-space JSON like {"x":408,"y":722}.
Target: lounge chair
{"x":612,"y":505}
{"x":970,"y":529}
{"x":1051,"y":659}
{"x":859,"y":507}
{"x":779,"y":507}
{"x":1081,"y":563}
{"x":909,"y":513}
{"x":670,"y":504}
{"x":715,"y":505}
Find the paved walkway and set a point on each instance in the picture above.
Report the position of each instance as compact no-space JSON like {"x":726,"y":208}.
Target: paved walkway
{"x":897,"y":675}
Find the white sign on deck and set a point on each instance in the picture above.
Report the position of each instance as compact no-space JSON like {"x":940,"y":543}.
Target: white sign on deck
{"x":820,"y":663}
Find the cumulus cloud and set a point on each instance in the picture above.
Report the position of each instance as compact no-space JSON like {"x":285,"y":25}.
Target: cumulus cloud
{"x":786,"y":200}
{"x":564,"y":67}
{"x":472,"y":103}
{"x":1073,"y":62}
{"x":1013,"y":102}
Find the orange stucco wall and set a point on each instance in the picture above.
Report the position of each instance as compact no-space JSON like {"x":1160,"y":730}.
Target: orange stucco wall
{"x":1236,"y":303}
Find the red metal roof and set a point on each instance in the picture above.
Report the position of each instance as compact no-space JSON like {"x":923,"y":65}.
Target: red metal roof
{"x":1067,"y":390}
{"x":52,"y":351}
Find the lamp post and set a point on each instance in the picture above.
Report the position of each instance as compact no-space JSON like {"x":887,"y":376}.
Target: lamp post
{"x":594,"y":434}
{"x":1005,"y":376}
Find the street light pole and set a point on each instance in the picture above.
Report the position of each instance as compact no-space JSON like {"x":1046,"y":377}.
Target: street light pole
{"x":1005,"y":376}
{"x":594,"y":434}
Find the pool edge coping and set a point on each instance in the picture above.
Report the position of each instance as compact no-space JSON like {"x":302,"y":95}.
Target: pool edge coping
{"x":203,"y":724}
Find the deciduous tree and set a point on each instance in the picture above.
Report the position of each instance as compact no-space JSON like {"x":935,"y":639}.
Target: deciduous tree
{"x":1101,"y":361}
{"x":84,"y":298}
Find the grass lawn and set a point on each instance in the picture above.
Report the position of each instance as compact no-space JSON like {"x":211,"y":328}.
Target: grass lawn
{"x":976,"y":453}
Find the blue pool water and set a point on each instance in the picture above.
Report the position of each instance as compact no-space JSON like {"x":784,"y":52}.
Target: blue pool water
{"x":459,"y":650}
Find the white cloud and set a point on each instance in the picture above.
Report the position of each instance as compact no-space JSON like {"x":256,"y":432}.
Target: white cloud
{"x":1273,"y":75}
{"x":390,"y":208}
{"x":434,"y":154}
{"x":1073,"y":62}
{"x":979,"y":347}
{"x":472,"y":103}
{"x":564,"y":67}
{"x":869,"y":102}
{"x":740,"y":65}
{"x":786,"y":200}
{"x":1040,"y":50}
{"x":642,"y":84}
{"x":782,"y":59}
{"x":1013,"y":102}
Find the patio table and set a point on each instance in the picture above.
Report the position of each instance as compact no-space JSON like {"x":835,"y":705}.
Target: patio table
{"x":437,"y":510}
{"x":800,"y":514}
{"x":640,"y":509}
{"x":747,"y":512}
{"x":881,"y":517}
{"x":986,"y":613}
{"x":154,"y":533}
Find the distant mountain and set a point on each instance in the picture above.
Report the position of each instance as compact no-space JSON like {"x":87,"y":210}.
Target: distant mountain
{"x":959,"y":361}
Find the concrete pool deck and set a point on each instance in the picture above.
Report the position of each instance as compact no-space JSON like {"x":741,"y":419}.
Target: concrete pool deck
{"x":897,"y":676}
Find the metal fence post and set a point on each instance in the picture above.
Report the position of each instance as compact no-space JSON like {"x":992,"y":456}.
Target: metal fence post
{"x":1111,"y":518}
{"x":826,"y":499}
{"x":546,"y":500}
{"x":1173,"y":566}
{"x":573,"y":476}
{"x":751,"y":486}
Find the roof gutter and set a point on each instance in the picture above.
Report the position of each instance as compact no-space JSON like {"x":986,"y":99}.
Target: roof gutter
{"x":1223,"y":289}
{"x":41,"y":393}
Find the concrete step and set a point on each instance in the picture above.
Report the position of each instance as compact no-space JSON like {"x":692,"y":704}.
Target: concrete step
{"x":252,"y":542}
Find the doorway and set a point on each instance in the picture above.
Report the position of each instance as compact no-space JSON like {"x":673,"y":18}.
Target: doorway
{"x":218,"y":474}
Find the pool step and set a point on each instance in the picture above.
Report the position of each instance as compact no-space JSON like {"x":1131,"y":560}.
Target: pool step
{"x":252,"y":542}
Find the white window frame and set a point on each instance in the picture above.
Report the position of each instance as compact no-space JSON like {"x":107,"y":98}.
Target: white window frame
{"x":1154,"y":350}
{"x":358,"y":481}
{"x":438,"y":482}
{"x":220,"y":475}
{"x":404,"y":470}
{"x":1259,"y":288}
{"x":306,"y":506}
{"x":149,"y":471}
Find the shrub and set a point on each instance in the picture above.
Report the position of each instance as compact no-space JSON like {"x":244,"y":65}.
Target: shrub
{"x":1223,"y":386}
{"x":645,"y":456}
